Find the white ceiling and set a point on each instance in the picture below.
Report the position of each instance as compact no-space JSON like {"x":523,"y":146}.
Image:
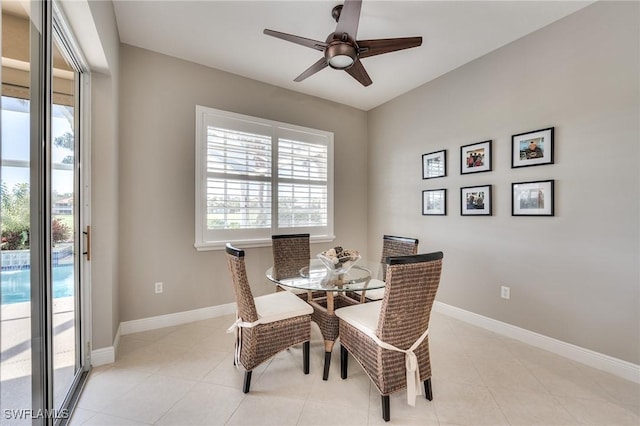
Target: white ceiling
{"x":227,"y":35}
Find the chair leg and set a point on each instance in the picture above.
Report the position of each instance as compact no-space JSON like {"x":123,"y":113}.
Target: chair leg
{"x":327,"y":364}
{"x":305,"y":357}
{"x":247,"y":382}
{"x":428,"y":393}
{"x":386,"y":409}
{"x":344,"y":362}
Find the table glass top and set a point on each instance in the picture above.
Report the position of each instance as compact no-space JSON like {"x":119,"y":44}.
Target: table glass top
{"x":317,"y":277}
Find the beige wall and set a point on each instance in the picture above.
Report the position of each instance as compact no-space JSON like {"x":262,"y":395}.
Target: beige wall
{"x":105,"y":172}
{"x":573,"y":277}
{"x":156,"y":172}
{"x":95,"y":29}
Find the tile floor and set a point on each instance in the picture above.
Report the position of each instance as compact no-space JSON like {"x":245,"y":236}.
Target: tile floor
{"x":184,"y":375}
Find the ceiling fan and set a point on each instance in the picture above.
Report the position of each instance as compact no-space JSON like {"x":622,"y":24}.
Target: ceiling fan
{"x":341,"y":49}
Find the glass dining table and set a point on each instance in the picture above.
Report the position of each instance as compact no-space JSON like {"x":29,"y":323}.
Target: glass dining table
{"x":328,"y":291}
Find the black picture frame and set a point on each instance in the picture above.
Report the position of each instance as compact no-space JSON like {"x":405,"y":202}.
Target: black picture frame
{"x":534,"y":148}
{"x":434,"y":164}
{"x":476,"y":200}
{"x":533,"y":198}
{"x":476,"y":157}
{"x":434,"y":202}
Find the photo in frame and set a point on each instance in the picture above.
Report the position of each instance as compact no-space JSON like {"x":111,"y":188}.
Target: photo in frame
{"x":475,"y":157}
{"x":532,"y":198}
{"x":532,"y":148}
{"x":475,"y":200}
{"x":434,"y":164}
{"x":434,"y":202}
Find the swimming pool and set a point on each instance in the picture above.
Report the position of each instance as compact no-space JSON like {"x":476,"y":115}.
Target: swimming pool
{"x":16,"y":285}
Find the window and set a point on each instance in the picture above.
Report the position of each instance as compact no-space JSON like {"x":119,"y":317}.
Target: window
{"x":256,"y":177}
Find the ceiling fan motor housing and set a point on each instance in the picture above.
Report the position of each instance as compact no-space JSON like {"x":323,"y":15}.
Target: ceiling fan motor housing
{"x":340,"y":54}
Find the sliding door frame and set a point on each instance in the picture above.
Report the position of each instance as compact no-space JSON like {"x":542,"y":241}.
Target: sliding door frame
{"x":48,"y":26}
{"x":68,"y":45}
{"x":40,"y":186}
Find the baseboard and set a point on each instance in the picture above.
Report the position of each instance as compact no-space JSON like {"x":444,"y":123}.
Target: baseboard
{"x":103,"y":356}
{"x":106,"y":355}
{"x":612,"y":365}
{"x":152,"y":323}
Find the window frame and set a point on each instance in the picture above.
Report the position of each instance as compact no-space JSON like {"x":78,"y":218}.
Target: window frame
{"x":256,"y":237}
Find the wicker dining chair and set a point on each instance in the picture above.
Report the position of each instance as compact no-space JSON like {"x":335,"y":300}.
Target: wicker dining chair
{"x":391,"y":246}
{"x":265,"y":325}
{"x":389,"y":338}
{"x":291,"y":252}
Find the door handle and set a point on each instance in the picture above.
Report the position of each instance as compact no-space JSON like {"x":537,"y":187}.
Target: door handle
{"x":88,"y":234}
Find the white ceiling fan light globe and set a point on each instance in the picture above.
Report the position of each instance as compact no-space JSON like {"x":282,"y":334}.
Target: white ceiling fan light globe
{"x":341,"y":62}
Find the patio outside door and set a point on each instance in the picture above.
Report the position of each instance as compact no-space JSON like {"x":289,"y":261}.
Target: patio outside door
{"x":42,"y":335}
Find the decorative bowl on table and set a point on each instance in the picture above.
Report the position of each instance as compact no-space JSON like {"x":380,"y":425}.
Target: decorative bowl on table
{"x":338,"y":260}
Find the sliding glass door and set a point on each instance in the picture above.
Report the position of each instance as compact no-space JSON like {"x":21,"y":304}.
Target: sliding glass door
{"x":65,"y":247}
{"x":42,"y":335}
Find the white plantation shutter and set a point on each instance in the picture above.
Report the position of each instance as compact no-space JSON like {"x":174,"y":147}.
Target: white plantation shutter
{"x":302,"y":184}
{"x":238,"y":191}
{"x":255,"y":178}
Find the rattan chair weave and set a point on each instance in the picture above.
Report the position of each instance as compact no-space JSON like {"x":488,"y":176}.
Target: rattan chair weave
{"x":262,"y":341}
{"x":404,"y":316}
{"x":328,"y":322}
{"x":396,"y":246}
{"x":391,"y":246}
{"x":290,"y":254}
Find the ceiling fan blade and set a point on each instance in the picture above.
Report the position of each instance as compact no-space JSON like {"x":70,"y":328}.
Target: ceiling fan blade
{"x":322,"y":63}
{"x":377,"y":47}
{"x":349,"y":18}
{"x":314,"y":44}
{"x":358,"y":72}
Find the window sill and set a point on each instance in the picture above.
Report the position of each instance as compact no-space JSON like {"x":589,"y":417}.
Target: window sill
{"x":218,"y":245}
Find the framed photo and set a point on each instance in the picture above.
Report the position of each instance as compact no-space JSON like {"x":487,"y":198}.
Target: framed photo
{"x":532,"y":148}
{"x":475,"y":200}
{"x":532,"y":198}
{"x":475,"y":157}
{"x":434,"y":165}
{"x":434,"y":202}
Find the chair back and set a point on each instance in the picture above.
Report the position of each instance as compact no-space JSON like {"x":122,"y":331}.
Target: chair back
{"x":291,"y":253}
{"x":244,"y":298}
{"x":396,"y":246}
{"x":412,"y":282}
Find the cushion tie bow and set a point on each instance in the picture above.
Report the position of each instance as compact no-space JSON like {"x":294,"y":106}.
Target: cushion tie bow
{"x":236,"y":328}
{"x":411,"y":365}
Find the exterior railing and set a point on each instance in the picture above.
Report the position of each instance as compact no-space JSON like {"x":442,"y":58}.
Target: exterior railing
{"x":14,"y":260}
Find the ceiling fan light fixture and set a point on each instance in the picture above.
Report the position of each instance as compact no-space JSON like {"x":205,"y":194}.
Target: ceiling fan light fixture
{"x":341,"y":62}
{"x":340,"y":56}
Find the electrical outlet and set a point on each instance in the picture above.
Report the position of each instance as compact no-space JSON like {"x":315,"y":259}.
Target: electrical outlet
{"x":505,"y":292}
{"x":158,"y":288}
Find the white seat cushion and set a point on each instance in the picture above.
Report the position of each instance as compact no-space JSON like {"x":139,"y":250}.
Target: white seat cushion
{"x":376,"y":293}
{"x":279,"y":306}
{"x":364,"y":316}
